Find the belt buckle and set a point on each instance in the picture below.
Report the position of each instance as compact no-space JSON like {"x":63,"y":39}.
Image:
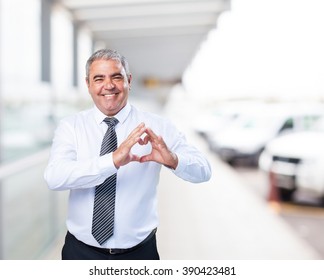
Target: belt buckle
{"x":112,"y":251}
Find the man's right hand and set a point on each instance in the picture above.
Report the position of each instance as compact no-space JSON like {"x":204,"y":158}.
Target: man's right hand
{"x":123,"y":155}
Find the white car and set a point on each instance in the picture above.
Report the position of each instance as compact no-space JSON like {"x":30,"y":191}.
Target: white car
{"x":296,"y":162}
{"x":247,"y":136}
{"x":211,"y":121}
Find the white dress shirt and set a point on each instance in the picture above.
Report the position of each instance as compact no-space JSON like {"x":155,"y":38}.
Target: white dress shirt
{"x":75,"y":165}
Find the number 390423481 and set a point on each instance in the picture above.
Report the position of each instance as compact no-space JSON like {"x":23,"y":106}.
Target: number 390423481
{"x":208,"y":270}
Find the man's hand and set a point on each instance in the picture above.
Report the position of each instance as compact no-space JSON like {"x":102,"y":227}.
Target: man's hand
{"x":123,"y":155}
{"x":160,"y":152}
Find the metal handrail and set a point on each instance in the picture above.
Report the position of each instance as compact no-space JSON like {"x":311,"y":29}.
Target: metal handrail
{"x":12,"y":168}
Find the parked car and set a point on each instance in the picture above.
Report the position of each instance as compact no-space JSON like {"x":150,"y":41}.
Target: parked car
{"x":296,"y":163}
{"x":210,"y":122}
{"x":214,"y":119}
{"x":246,"y":137}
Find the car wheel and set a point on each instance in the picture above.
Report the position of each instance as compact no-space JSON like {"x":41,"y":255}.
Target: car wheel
{"x":255,"y":158}
{"x":321,"y":201}
{"x":285,"y":194}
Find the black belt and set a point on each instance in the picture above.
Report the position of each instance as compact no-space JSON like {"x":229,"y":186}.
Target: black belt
{"x":116,"y":251}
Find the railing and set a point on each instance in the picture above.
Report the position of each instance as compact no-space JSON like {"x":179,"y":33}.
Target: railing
{"x":31,"y":216}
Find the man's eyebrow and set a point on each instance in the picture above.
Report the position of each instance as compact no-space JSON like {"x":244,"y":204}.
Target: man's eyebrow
{"x":98,"y":76}
{"x":116,"y":74}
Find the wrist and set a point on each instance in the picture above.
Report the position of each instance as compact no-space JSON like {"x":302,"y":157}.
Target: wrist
{"x":174,"y":163}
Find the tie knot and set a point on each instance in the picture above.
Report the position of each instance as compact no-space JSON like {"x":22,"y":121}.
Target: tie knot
{"x":111,"y":122}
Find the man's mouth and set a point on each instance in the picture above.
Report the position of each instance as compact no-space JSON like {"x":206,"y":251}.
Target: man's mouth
{"x":109,"y":94}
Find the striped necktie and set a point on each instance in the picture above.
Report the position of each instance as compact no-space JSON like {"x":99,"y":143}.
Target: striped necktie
{"x":104,"y":201}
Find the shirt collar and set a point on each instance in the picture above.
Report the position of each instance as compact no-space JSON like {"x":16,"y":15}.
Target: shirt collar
{"x":121,"y":116}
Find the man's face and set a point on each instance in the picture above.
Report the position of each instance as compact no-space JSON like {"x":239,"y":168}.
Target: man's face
{"x":108,"y":86}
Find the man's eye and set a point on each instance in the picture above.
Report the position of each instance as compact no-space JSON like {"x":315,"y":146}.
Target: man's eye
{"x":118,"y":77}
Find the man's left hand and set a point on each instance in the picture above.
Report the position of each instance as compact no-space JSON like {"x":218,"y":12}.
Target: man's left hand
{"x":160,"y":152}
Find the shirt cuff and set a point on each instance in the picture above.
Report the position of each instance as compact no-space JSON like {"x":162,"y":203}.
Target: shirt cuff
{"x":181,"y":165}
{"x":106,"y":165}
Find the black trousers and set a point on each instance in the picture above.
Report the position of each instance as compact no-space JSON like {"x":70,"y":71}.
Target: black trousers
{"x":74,"y":249}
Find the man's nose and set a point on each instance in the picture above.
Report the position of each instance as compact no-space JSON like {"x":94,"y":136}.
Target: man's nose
{"x":109,"y":84}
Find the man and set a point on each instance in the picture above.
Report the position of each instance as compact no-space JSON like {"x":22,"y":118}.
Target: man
{"x":145,"y":143}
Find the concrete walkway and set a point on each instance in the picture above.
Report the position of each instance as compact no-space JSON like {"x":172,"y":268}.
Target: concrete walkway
{"x":222,"y":218}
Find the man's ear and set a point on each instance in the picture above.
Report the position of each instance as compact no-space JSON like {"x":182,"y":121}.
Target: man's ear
{"x":129,"y":81}
{"x":87,"y":81}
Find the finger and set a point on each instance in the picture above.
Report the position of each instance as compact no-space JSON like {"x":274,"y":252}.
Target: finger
{"x":152,"y":135}
{"x":135,"y":136}
{"x":140,"y":141}
{"x":138,"y":131}
{"x":135,"y":157}
{"x":146,"y":158}
{"x":161,"y":143}
{"x":146,"y":139}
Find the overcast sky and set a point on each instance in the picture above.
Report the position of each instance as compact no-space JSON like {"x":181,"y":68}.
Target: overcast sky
{"x":263,"y":48}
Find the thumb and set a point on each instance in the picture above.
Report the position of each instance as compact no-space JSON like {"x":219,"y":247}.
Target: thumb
{"x":134,"y":157}
{"x":146,"y":158}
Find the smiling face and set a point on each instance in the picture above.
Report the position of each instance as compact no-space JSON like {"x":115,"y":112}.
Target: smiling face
{"x":108,"y":85}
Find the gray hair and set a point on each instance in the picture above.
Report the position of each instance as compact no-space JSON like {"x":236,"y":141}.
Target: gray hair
{"x":107,"y":54}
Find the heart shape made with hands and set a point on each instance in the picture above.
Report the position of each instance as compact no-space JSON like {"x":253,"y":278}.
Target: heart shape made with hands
{"x":160,"y":153}
{"x":143,"y":136}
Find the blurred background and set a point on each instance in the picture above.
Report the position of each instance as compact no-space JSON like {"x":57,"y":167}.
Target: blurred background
{"x":243,"y":78}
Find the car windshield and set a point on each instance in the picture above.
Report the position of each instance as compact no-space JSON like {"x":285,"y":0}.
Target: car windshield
{"x":258,"y":122}
{"x":319,"y":125}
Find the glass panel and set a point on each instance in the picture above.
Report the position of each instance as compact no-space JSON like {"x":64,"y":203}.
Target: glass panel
{"x":32,"y":214}
{"x":25,"y":129}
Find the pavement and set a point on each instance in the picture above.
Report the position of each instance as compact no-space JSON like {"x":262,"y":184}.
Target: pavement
{"x":221,"y":219}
